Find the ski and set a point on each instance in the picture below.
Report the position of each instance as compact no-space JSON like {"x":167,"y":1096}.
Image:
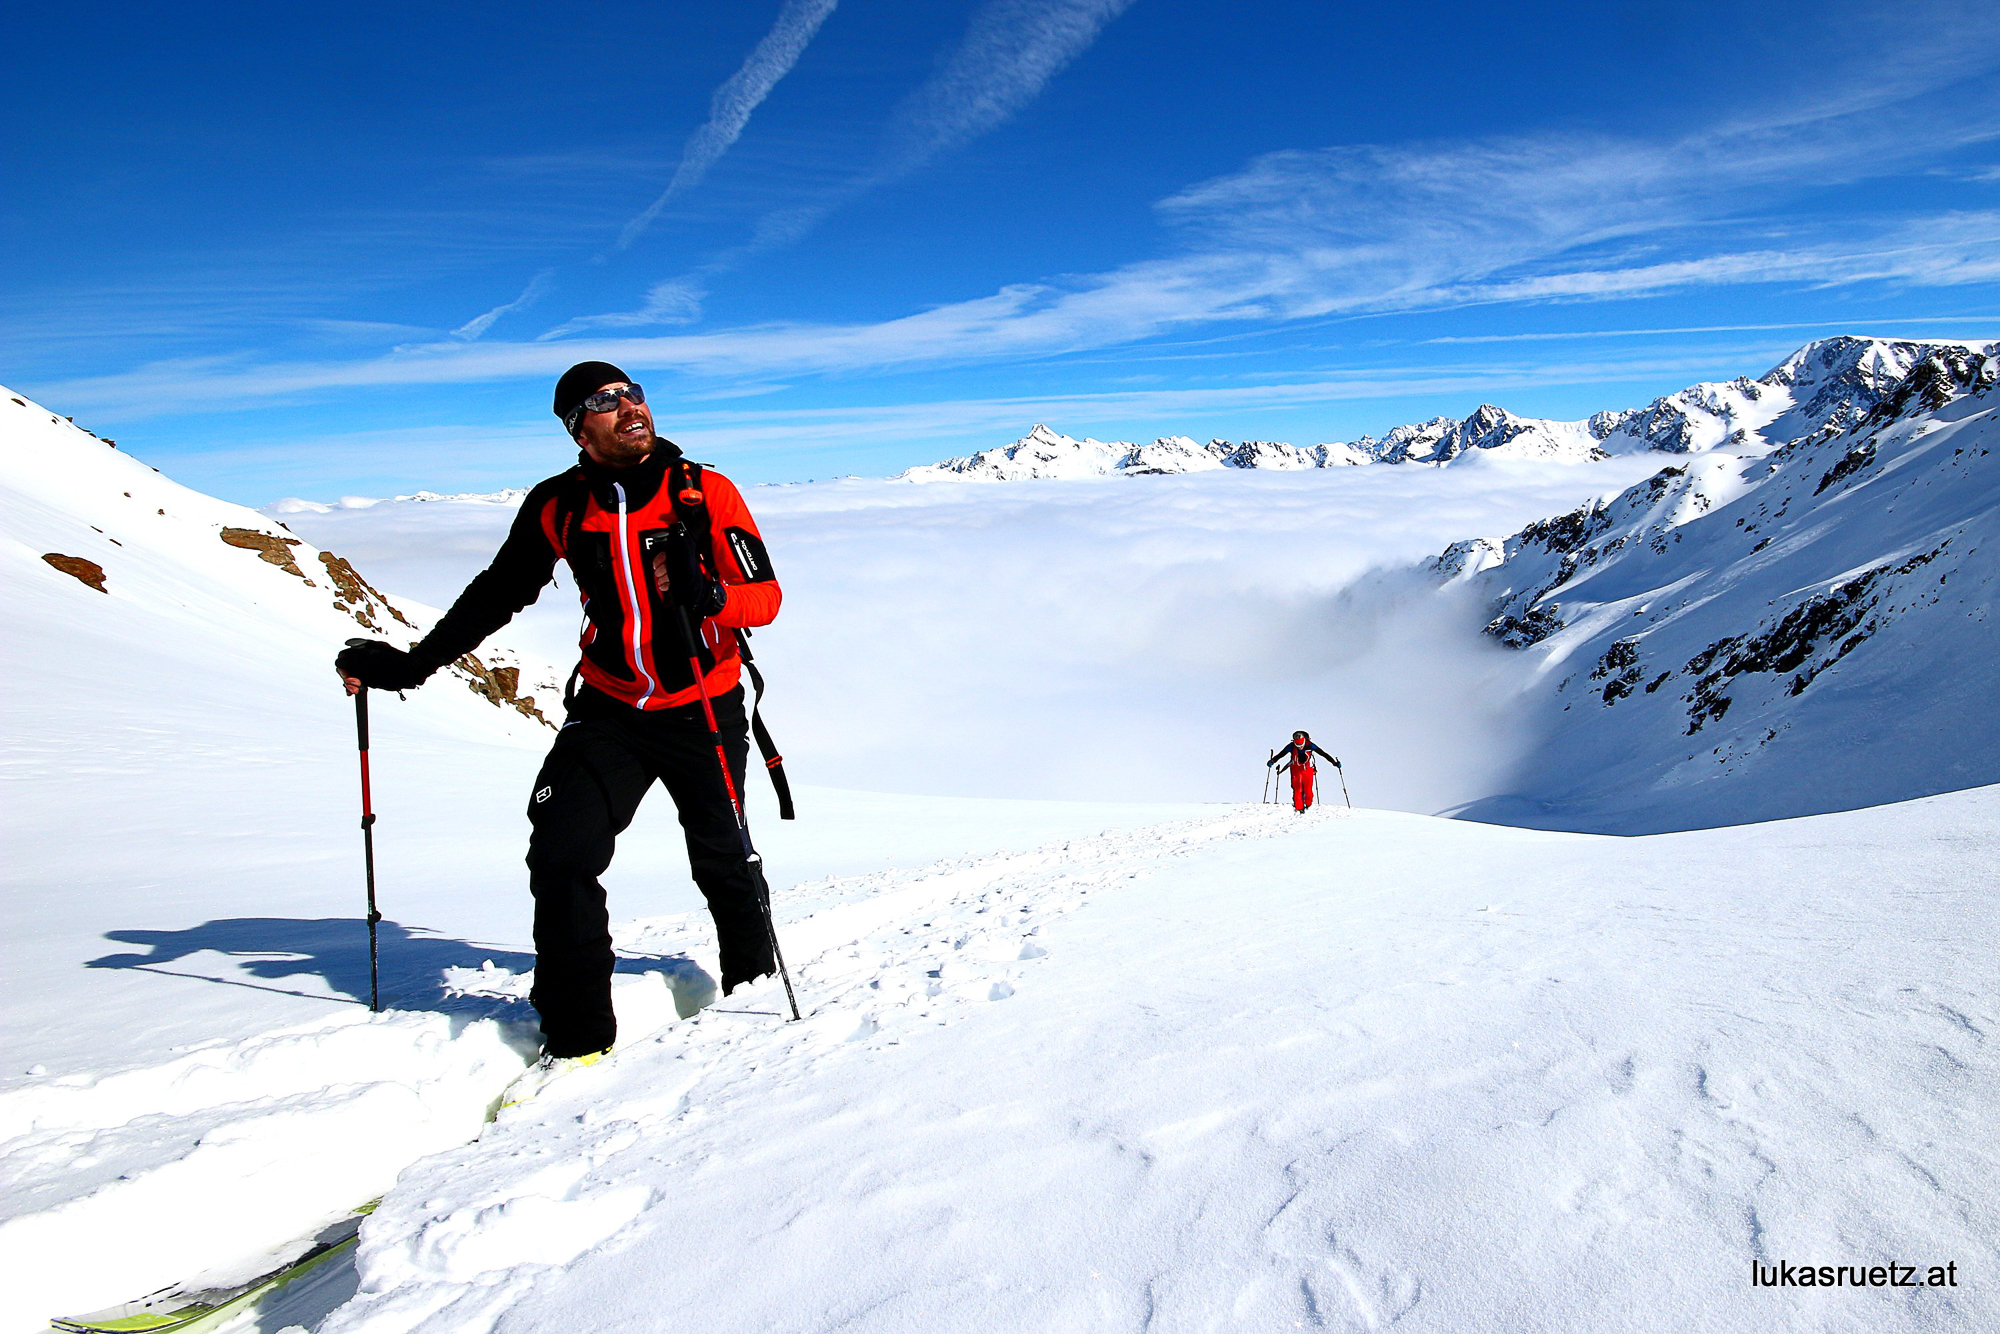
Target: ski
{"x":191,"y":1310}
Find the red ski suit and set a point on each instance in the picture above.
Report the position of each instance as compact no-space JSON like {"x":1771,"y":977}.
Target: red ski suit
{"x":1297,"y":757}
{"x":1303,"y":777}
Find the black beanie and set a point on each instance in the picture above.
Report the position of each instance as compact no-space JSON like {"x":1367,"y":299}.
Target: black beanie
{"x":580,"y":382}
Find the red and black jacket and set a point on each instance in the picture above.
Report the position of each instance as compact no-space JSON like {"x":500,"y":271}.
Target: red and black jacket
{"x":1298,"y":752}
{"x":606,"y":522}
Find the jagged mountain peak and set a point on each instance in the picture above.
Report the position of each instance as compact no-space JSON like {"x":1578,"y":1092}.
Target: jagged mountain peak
{"x":1710,"y":635}
{"x":1830,"y":384}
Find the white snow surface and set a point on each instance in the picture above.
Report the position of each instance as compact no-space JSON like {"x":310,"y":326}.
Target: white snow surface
{"x":1066,"y":1065}
{"x":1251,"y":1071}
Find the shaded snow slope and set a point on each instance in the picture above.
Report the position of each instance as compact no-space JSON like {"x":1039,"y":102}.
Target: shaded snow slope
{"x":1833,"y":382}
{"x":1260,"y":1072}
{"x":1738,"y":639}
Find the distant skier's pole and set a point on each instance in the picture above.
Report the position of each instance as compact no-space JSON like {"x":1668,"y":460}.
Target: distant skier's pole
{"x":1343,"y":785}
{"x":1267,"y":776}
{"x":368,"y":848}
{"x":751,"y":860}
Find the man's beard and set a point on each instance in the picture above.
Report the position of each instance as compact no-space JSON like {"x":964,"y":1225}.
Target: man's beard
{"x":622,"y":450}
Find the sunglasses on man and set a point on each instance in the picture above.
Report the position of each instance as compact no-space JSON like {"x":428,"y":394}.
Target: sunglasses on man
{"x":606,"y":400}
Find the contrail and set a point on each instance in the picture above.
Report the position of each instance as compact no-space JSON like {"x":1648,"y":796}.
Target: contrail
{"x":729,"y":110}
{"x":1010,"y":51}
{"x":478,"y":325}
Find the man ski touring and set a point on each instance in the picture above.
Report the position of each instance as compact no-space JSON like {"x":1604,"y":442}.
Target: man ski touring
{"x":1297,"y":756}
{"x":648,"y":536}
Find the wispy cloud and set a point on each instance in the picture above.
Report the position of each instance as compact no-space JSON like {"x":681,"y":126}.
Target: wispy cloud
{"x":675,"y":301}
{"x":1304,"y":235}
{"x":1123,"y":307}
{"x":478,"y":325}
{"x":1991,"y":321}
{"x":1010,"y":51}
{"x":729,"y":110}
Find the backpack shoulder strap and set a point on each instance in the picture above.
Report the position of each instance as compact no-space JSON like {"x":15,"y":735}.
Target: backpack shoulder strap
{"x":572,"y":499}
{"x":774,"y":763}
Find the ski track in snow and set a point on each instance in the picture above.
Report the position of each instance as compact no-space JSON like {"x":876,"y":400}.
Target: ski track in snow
{"x":285,"y":1132}
{"x":1386,"y":1071}
{"x":881,"y":956}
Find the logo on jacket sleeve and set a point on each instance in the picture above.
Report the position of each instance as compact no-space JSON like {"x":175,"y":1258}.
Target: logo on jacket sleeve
{"x":544,"y":795}
{"x":751,"y":558}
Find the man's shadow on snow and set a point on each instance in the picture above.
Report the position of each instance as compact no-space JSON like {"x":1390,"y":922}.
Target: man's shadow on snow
{"x":420,"y":969}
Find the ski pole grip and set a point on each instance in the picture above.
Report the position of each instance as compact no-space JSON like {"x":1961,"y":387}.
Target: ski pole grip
{"x":361,"y":717}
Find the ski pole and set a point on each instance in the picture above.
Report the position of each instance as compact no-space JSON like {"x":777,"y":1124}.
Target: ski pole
{"x":1343,"y":785}
{"x":368,"y":848}
{"x":751,"y":861}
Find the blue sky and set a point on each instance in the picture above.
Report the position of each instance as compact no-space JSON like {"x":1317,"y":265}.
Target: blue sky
{"x":346,"y":250}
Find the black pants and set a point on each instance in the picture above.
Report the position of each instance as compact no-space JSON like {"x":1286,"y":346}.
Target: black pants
{"x":603,"y":761}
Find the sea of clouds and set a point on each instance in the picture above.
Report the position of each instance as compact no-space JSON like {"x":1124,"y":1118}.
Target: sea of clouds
{"x":1147,"y":638}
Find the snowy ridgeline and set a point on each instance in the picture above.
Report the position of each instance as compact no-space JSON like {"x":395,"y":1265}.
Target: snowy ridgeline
{"x":1832,"y":383}
{"x":1747,"y":638}
{"x":103,"y":547}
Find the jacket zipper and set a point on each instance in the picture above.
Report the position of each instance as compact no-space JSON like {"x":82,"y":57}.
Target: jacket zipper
{"x":632,"y":593}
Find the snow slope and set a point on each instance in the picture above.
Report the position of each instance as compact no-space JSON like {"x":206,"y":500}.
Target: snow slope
{"x":1745,"y":638}
{"x":183,"y":1023}
{"x":1257,"y":1072}
{"x":1830,"y":383}
{"x":176,"y":738}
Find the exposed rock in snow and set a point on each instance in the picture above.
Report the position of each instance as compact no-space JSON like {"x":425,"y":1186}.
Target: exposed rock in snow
{"x":207,"y":568}
{"x":1826,"y":386}
{"x":1715,"y":632}
{"x":87,"y":572}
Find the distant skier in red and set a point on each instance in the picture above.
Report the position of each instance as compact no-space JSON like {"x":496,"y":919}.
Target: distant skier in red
{"x":1297,"y":757}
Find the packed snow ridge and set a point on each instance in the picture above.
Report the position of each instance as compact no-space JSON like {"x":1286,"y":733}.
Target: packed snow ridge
{"x":1833,"y":382}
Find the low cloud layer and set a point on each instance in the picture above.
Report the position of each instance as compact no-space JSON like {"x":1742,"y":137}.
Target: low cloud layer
{"x":1147,"y":638}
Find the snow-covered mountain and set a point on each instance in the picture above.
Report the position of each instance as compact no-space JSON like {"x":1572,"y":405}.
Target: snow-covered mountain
{"x":1827,"y":385}
{"x":100,"y":547}
{"x":1062,"y":1063}
{"x":1744,"y":636}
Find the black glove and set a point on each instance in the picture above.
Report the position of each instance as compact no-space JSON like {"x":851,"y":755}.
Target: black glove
{"x":687,"y":584}
{"x":381,"y":666}
{"x":708,"y":599}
